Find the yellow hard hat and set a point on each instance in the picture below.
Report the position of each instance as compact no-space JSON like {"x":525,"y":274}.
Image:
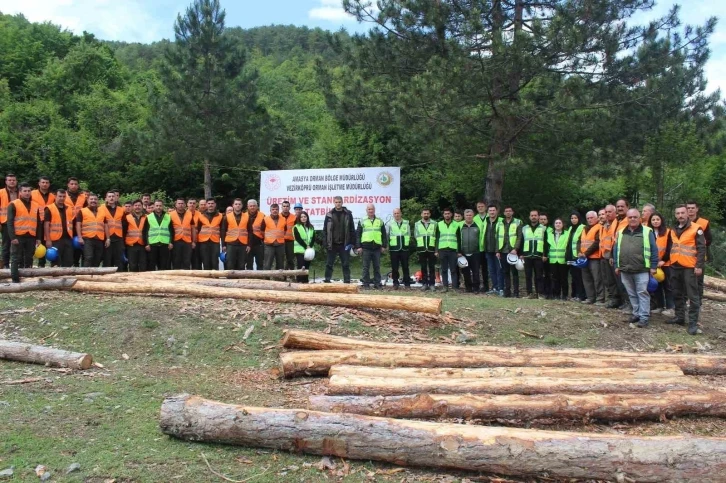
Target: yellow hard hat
{"x":659,"y":275}
{"x":39,"y":251}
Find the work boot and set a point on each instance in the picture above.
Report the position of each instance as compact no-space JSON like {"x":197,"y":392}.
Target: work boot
{"x":676,"y":321}
{"x":642,"y":323}
{"x":693,"y":329}
{"x":612,"y":305}
{"x":633,"y":319}
{"x":668,"y":313}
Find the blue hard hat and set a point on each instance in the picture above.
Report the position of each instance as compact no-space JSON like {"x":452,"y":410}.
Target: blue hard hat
{"x":580,"y":262}
{"x":51,"y":254}
{"x":76,"y":243}
{"x":298,"y":205}
{"x":223,"y":257}
{"x":652,"y":284}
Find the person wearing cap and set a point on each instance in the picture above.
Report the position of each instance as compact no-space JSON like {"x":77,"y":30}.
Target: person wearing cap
{"x":298,"y":208}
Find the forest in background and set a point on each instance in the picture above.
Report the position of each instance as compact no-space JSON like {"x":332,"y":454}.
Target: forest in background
{"x":113,"y":114}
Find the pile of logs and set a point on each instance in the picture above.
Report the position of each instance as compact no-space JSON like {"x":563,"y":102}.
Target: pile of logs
{"x":716,"y":288}
{"x":232,"y":284}
{"x":375,"y":388}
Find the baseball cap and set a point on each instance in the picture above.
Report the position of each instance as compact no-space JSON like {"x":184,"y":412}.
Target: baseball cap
{"x":298,"y":205}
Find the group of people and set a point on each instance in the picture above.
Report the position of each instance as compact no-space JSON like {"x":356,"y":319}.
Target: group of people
{"x":608,"y":260}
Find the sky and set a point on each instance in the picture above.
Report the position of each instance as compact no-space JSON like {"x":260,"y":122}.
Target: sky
{"x":150,"y":20}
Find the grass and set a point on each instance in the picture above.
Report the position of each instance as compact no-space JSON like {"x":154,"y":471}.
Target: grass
{"x":107,"y":419}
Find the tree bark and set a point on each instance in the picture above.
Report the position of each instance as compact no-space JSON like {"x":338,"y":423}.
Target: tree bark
{"x":38,"y":354}
{"x":39,"y":284}
{"x":605,"y":407}
{"x":207,"y":178}
{"x":413,"y":304}
{"x":715,"y":283}
{"x":59,"y":271}
{"x":717,"y":296}
{"x":387,"y":386}
{"x":237,"y":273}
{"x":651,"y":372}
{"x":318,"y":363}
{"x":689,"y":363}
{"x":507,"y":451}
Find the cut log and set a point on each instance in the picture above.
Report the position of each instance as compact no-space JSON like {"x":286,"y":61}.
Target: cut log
{"x":506,"y":451}
{"x":318,"y":363}
{"x":651,"y":372}
{"x":689,"y":363}
{"x":716,"y":296}
{"x":412,"y":304}
{"x":237,"y":273}
{"x":714,"y":283}
{"x":605,"y":407}
{"x":38,"y":354}
{"x":39,"y":284}
{"x":227,"y":283}
{"x":59,"y":272}
{"x":388,"y":386}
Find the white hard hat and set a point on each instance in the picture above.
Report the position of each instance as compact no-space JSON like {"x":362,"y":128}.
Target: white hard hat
{"x":309,"y":254}
{"x":520,"y":265}
{"x":462,"y":262}
{"x":353,"y":253}
{"x":512,"y":259}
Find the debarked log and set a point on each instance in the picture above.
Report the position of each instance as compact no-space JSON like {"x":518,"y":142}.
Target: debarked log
{"x":689,"y":363}
{"x":387,"y":386}
{"x":38,"y":354}
{"x":507,"y":451}
{"x":413,"y":304}
{"x":39,"y":284}
{"x":650,"y":372}
{"x":59,"y":271}
{"x":237,"y":273}
{"x":605,"y":407}
{"x":318,"y":363}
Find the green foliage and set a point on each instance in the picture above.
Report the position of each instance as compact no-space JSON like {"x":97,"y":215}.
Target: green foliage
{"x":155,"y":195}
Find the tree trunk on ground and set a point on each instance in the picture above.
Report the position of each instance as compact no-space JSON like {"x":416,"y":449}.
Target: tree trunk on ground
{"x":318,"y":363}
{"x":689,"y":363}
{"x":39,"y":284}
{"x":413,"y":304}
{"x":38,"y":354}
{"x":228,"y":283}
{"x":236,"y":273}
{"x":715,"y":283}
{"x":716,"y":296}
{"x":507,"y":451}
{"x":651,"y":372}
{"x":59,"y":271}
{"x":604,"y":407}
{"x":388,"y":386}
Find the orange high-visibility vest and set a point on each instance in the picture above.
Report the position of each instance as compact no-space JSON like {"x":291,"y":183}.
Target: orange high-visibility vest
{"x":290,"y":223}
{"x":92,"y":224}
{"x":78,"y":205}
{"x":235,"y":231}
{"x":37,"y":198}
{"x":26,"y":221}
{"x":274,"y":231}
{"x":661,"y":242}
{"x":134,"y":233}
{"x":114,"y":222}
{"x":4,"y":203}
{"x":56,"y":223}
{"x":607,"y":238}
{"x":684,"y":251}
{"x":256,"y":226}
{"x":182,"y":226}
{"x":588,"y":238}
{"x":702,"y":222}
{"x":210,"y":229}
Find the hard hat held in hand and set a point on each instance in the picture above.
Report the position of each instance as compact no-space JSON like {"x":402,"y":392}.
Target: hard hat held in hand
{"x":520,"y":265}
{"x":512,"y":259}
{"x":309,"y":254}
{"x":51,"y":254}
{"x":659,"y":275}
{"x":39,"y":251}
{"x":462,"y":262}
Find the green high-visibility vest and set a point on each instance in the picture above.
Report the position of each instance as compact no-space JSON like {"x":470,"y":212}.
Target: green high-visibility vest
{"x":575,"y":239}
{"x":646,"y":245}
{"x":558,"y":250}
{"x":159,"y":233}
{"x":501,"y":235}
{"x":483,"y":227}
{"x":395,"y":231}
{"x":425,"y":236}
{"x":307,"y":234}
{"x":371,"y":231}
{"x":447,"y":235}
{"x":533,"y":240}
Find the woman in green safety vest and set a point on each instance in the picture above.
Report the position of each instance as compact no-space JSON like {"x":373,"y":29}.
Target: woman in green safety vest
{"x":558,"y":242}
{"x":576,"y":226}
{"x":304,"y":234}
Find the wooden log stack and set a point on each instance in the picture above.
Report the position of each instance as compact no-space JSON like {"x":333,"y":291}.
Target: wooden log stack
{"x":716,"y":288}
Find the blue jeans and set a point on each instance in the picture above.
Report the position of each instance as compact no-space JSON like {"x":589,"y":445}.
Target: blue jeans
{"x":636,"y":285}
{"x":495,"y":271}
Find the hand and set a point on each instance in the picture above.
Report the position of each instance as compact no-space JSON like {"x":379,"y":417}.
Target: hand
{"x":359,"y":251}
{"x":544,"y":259}
{"x":147,"y":248}
{"x":81,"y":241}
{"x":513,"y":252}
{"x":436,"y":254}
{"x":612,"y":262}
{"x":15,"y":242}
{"x":247,"y":249}
{"x":697,"y":272}
{"x":107,"y":243}
{"x":37,"y":242}
{"x":660,"y":264}
{"x":224,"y":249}
{"x":171,"y":246}
{"x":499,"y":255}
{"x":194,"y":245}
{"x":652,"y":271}
{"x":617,"y":272}
{"x":49,"y":244}
{"x":383,"y":250}
{"x":459,"y":254}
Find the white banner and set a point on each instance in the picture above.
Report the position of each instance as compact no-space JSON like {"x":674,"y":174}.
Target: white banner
{"x":316,"y":188}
